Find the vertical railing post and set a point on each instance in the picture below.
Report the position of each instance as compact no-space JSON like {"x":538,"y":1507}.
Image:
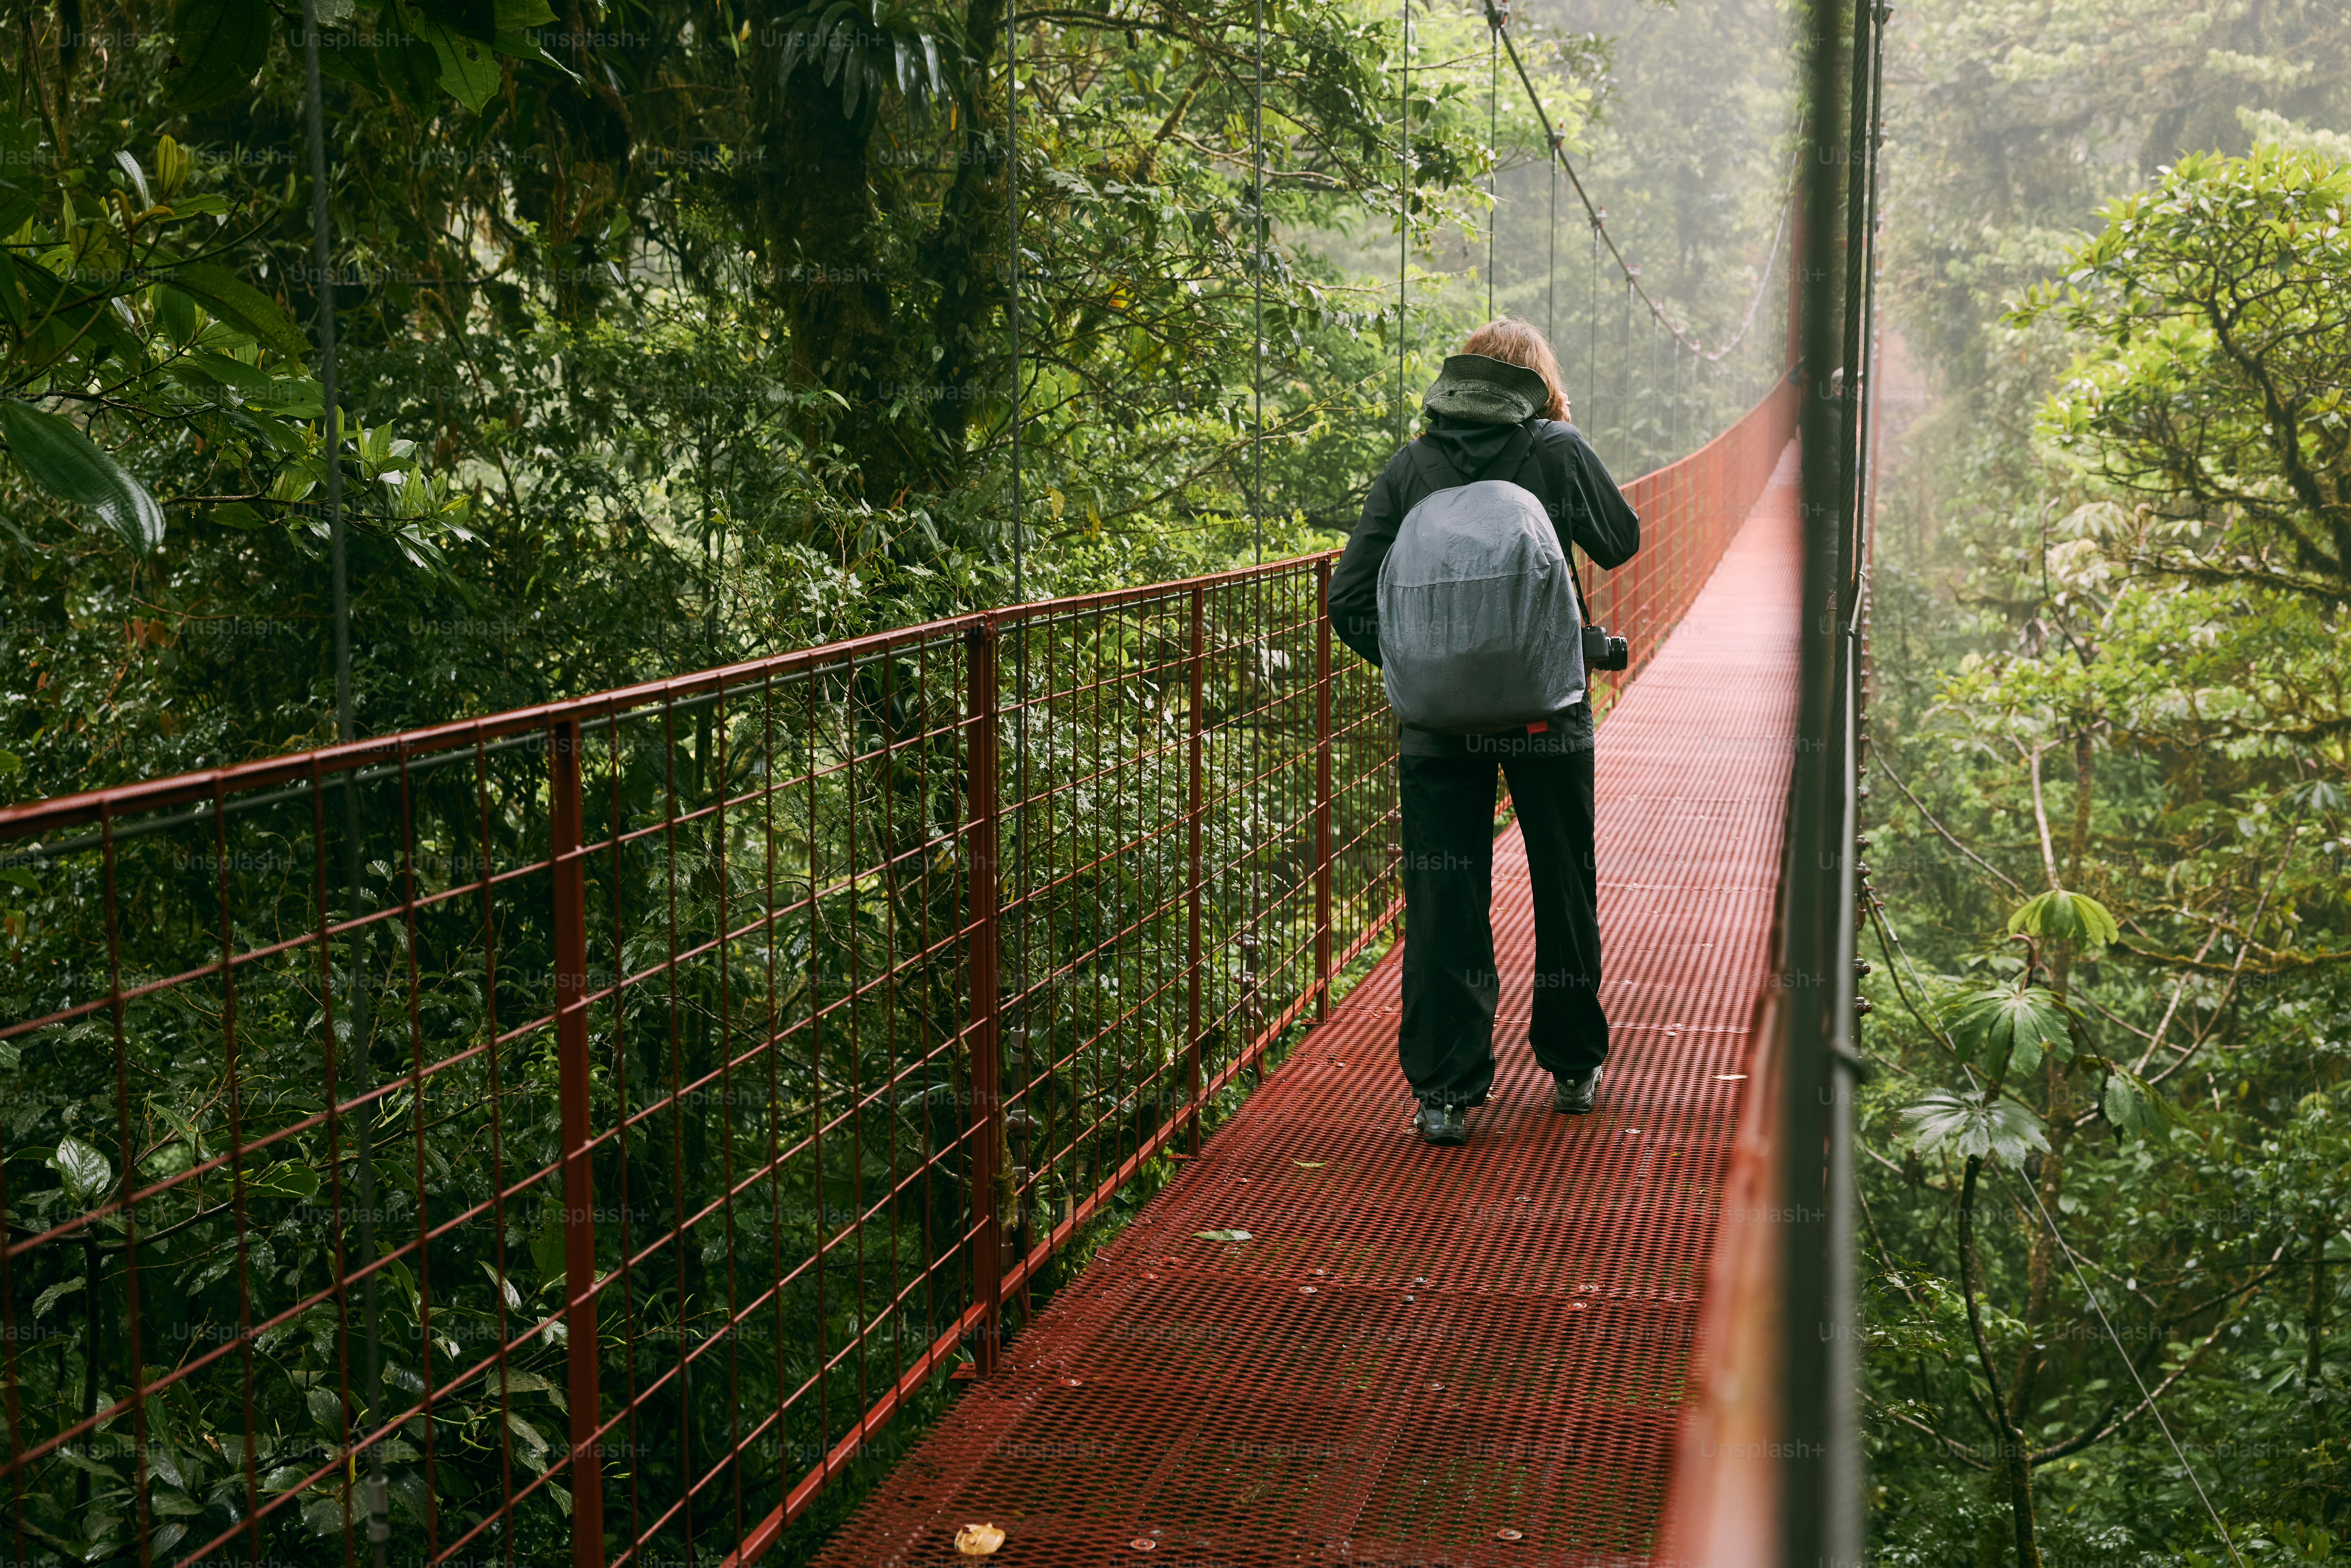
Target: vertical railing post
{"x":1323,"y":788}
{"x":1195,"y":809}
{"x":985,"y":1129}
{"x":567,"y":870}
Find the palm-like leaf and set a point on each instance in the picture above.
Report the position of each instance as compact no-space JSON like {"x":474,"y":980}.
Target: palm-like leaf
{"x":1999,"y":1131}
{"x":2009,"y":1026}
{"x":2061,"y":917}
{"x":868,"y":46}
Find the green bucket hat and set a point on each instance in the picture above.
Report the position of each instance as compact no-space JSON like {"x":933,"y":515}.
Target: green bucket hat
{"x":1486,"y":391}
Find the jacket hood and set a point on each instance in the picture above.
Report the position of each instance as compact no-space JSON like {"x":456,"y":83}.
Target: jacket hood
{"x":1486,"y":391}
{"x":1467,"y":444}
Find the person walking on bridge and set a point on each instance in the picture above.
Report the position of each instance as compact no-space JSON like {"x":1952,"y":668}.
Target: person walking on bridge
{"x":1457,"y":584}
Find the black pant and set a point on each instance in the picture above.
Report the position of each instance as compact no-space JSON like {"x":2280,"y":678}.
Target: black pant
{"x":1450,"y":984}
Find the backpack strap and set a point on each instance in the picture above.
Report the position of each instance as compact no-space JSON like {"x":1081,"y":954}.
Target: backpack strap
{"x":1555,"y":480}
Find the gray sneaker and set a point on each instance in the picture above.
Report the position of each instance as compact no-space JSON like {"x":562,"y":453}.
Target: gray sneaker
{"x":1575,"y":1096}
{"x":1442,"y":1125}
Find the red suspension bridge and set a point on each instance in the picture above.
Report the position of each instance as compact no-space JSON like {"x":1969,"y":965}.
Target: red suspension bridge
{"x":611,"y":1118}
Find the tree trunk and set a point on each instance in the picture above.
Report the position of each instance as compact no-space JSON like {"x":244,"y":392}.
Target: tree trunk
{"x":814,"y":204}
{"x":2015,"y":1468}
{"x":2313,"y":1328}
{"x":2083,"y":777}
{"x":967,"y":254}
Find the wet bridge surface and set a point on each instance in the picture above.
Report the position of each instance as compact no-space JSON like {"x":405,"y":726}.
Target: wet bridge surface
{"x":1423,"y":1355}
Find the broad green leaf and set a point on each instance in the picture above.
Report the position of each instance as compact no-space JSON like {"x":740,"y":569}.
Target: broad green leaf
{"x":2134,"y":1107}
{"x":2061,"y":917}
{"x":172,"y":166}
{"x":290,"y":397}
{"x":469,"y":66}
{"x":519,"y":1381}
{"x":56,"y":455}
{"x":177,"y":312}
{"x":241,"y":305}
{"x":526,"y":1432}
{"x":138,"y":176}
{"x":286,"y":1178}
{"x":244,"y":378}
{"x":2008,"y":1026}
{"x":513,"y":1296}
{"x":217,"y":48}
{"x":330,"y":1512}
{"x":50,"y":1297}
{"x":2002,"y":1133}
{"x":87,"y":1174}
{"x":326,"y":1408}
{"x":513,"y":15}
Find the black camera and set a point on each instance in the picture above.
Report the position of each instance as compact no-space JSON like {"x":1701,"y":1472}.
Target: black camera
{"x":1602,"y":652}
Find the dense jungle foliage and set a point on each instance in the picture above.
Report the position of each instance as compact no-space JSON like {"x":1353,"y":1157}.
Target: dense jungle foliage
{"x":671,"y":334}
{"x":2109,"y":816}
{"x":676,"y":332}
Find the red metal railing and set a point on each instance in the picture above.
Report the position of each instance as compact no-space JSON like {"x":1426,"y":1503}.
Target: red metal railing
{"x":1689,"y":510}
{"x":689,"y":1074}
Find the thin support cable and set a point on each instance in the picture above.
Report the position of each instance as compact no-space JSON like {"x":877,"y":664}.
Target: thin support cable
{"x":1011,"y":897}
{"x":1550,"y":274}
{"x":1864,"y":476}
{"x":1624,"y":355}
{"x":1892,"y":940}
{"x":1257,"y":202}
{"x":1012,"y":240}
{"x":1493,"y":147}
{"x":1655,"y":320}
{"x":1599,"y":215}
{"x":2152,"y":1407}
{"x":374,"y":1496}
{"x":1592,"y":317}
{"x":1404,"y":206}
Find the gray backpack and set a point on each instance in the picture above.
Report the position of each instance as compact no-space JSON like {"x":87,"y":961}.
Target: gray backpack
{"x":1479,"y":629}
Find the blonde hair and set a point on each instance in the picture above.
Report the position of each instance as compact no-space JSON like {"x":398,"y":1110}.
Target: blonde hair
{"x":1516,"y":342}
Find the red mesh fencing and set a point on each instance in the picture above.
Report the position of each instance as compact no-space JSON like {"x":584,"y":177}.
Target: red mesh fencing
{"x":1689,"y":512}
{"x":596,"y":1122}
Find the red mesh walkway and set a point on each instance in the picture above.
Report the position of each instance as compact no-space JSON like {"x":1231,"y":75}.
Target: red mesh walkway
{"x":1420,"y":1349}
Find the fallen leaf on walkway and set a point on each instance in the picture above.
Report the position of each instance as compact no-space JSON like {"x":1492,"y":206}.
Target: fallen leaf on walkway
{"x":1311,"y":1164}
{"x":1510,"y":1535}
{"x":1223,"y":1236}
{"x":978,"y":1540}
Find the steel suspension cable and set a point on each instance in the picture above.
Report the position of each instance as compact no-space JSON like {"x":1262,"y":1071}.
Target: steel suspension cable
{"x":1403,"y":205}
{"x":1257,"y":203}
{"x":1012,"y":224}
{"x":1592,"y":319}
{"x":1493,"y":146}
{"x":1551,"y":276}
{"x":1498,"y":18}
{"x":375,"y":1495}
